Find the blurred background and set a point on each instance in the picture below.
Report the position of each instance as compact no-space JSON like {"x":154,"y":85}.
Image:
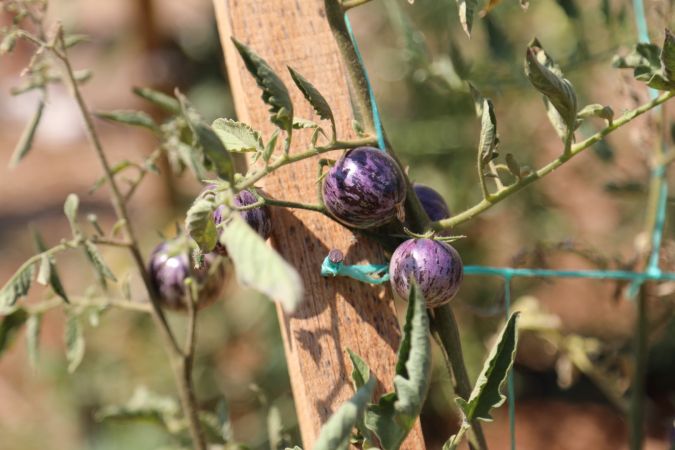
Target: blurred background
{"x":574,"y":362}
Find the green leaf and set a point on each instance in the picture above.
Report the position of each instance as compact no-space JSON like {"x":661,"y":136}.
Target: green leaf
{"x":33,"y":326}
{"x":71,"y":40}
{"x":489,"y":139}
{"x":128,"y":117}
{"x":70,"y":208}
{"x":360,"y":372}
{"x":486,"y":393}
{"x":668,"y":55}
{"x":200,"y":225}
{"x":26,"y":140}
{"x":313,"y":96}
{"x":394,"y":416}
{"x":45,"y":270}
{"x":74,"y":340}
{"x":259,"y":266}
{"x":9,"y":326}
{"x":274,"y":92}
{"x":337,"y":431}
{"x":237,"y":136}
{"x":102,"y":269}
{"x":271,"y":145}
{"x":649,"y":63}
{"x":596,"y":110}
{"x":209,"y":141}
{"x":114,"y":170}
{"x":8,"y":42}
{"x":54,"y":279}
{"x":302,"y":124}
{"x":467,"y":9}
{"x":164,"y":101}
{"x":559,"y":96}
{"x":17,"y":286}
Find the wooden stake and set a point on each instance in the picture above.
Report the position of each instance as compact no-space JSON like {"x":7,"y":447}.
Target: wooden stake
{"x":337,"y":313}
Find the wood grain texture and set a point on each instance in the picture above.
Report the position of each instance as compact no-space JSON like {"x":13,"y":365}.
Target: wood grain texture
{"x":337,"y":313}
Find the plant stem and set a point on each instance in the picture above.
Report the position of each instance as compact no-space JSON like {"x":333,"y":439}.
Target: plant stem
{"x":89,"y":302}
{"x":497,"y":197}
{"x":182,"y":371}
{"x":297,"y":205}
{"x":444,"y":325}
{"x":293,"y":158}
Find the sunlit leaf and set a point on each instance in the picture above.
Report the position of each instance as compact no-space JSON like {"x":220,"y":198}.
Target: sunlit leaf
{"x":17,"y":286}
{"x":467,"y":9}
{"x":486,"y":393}
{"x":128,"y":117}
{"x":313,"y":96}
{"x":489,"y":139}
{"x":33,"y":326}
{"x":259,"y":266}
{"x":237,"y":136}
{"x":26,"y":140}
{"x":200,"y":225}
{"x":274,"y":92}
{"x":164,"y":101}
{"x":74,"y":340}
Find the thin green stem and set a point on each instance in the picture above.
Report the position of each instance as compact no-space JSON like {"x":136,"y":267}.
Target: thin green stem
{"x":103,"y":302}
{"x":444,"y":326}
{"x":293,"y":158}
{"x":550,"y":167}
{"x":182,"y":371}
{"x":297,"y":205}
{"x":456,"y":439}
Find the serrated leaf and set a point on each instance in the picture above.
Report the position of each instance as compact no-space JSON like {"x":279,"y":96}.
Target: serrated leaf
{"x":303,"y":124}
{"x":200,"y":225}
{"x":164,"y":101}
{"x":210,"y":143}
{"x":668,"y":55}
{"x":26,"y":140}
{"x":596,"y":110}
{"x":74,"y":340}
{"x":237,"y":136}
{"x":487,"y":145}
{"x":9,"y":326}
{"x":394,"y":416}
{"x":70,"y":208}
{"x":94,"y":256}
{"x":313,"y":96}
{"x":17,"y":286}
{"x":274,"y":92}
{"x":467,"y":9}
{"x":648,"y":65}
{"x":33,"y":326}
{"x":271,"y":145}
{"x":558,"y":91}
{"x":336,"y":432}
{"x":360,"y":371}
{"x":129,"y":117}
{"x":486,"y":393}
{"x":259,"y":266}
{"x":53,"y":279}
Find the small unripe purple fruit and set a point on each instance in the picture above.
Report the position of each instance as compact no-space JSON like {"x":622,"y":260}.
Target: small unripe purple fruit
{"x":257,"y":218}
{"x":435,"y":265}
{"x":365,"y":188}
{"x":433,"y":203}
{"x":169,"y":271}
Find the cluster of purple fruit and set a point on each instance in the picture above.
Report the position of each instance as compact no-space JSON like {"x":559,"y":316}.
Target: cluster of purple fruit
{"x":366,"y":189}
{"x":169,"y":268}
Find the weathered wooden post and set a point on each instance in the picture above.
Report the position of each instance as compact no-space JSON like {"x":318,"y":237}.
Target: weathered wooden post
{"x":337,"y":313}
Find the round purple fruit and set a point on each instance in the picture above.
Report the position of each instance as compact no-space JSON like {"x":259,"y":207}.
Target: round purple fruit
{"x":432,"y":202}
{"x":365,"y":188}
{"x":435,"y":265}
{"x":170,"y":265}
{"x":257,"y":218}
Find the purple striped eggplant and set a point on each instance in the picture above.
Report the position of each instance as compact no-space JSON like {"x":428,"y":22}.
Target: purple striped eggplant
{"x":365,"y":188}
{"x":168,"y":271}
{"x":432,"y":202}
{"x":435,"y":265}
{"x":257,"y":218}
